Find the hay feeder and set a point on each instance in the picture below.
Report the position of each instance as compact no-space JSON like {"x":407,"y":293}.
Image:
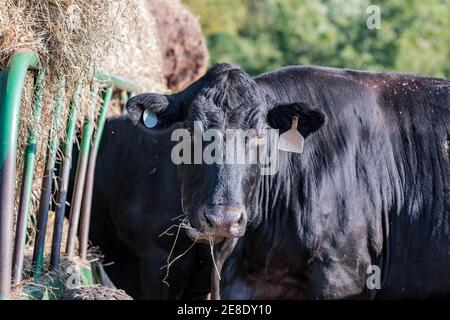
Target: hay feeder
{"x":69,"y":265}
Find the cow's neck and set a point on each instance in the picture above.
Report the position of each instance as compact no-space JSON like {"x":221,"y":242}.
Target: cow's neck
{"x":281,"y":208}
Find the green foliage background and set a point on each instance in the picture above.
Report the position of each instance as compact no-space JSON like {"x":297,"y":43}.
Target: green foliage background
{"x":262,"y":35}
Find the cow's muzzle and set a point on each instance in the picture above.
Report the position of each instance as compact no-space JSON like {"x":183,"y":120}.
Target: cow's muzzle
{"x":218,"y":222}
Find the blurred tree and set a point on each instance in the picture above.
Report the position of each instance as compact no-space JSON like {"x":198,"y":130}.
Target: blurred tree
{"x":219,"y":15}
{"x":262,"y":35}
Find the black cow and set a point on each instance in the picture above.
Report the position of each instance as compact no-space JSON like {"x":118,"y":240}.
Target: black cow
{"x":371,"y":188}
{"x":135,"y":199}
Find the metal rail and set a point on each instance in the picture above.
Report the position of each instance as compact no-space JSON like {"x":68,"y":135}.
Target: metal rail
{"x":80,"y":178}
{"x":89,"y":184}
{"x":27,"y":182}
{"x":64,"y":180}
{"x":13,"y":78}
{"x":116,"y":82}
{"x":46,"y":189}
{"x":11,"y":85}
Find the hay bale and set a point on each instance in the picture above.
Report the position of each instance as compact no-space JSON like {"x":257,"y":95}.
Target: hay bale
{"x":73,"y":37}
{"x":183,"y":46}
{"x":135,"y":54}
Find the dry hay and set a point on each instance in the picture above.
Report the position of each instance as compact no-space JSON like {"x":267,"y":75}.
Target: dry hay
{"x":75,"y":36}
{"x":95,"y":293}
{"x":61,"y":276}
{"x":137,"y":54}
{"x":72,"y":38}
{"x":182,"y":43}
{"x":52,"y":282}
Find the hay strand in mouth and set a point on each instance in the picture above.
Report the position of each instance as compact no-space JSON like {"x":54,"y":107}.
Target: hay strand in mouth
{"x":219,"y":257}
{"x":182,"y":225}
{"x":211,"y":245}
{"x":178,"y":217}
{"x":169,"y":263}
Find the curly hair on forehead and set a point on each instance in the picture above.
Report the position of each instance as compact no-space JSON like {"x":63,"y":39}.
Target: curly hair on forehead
{"x":228,"y":97}
{"x":230,"y":87}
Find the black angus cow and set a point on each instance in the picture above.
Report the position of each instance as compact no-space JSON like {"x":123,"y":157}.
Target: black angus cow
{"x":371,"y":188}
{"x":135,"y":199}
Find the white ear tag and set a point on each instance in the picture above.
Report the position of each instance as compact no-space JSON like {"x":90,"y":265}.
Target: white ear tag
{"x":292,"y":140}
{"x":150,"y":119}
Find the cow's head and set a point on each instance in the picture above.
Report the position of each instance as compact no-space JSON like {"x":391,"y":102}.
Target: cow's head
{"x":217,"y":195}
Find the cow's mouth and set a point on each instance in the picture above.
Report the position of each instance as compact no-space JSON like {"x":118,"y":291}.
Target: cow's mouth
{"x":214,"y":237}
{"x":219,"y":254}
{"x":201,"y":237}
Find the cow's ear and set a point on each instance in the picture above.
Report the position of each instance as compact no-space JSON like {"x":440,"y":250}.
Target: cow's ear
{"x":153,"y":110}
{"x":309,"y":119}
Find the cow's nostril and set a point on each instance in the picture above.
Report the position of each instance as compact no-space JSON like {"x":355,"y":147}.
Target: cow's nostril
{"x":241,"y":219}
{"x":208,"y":221}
